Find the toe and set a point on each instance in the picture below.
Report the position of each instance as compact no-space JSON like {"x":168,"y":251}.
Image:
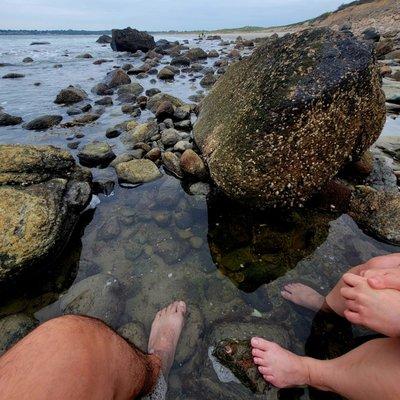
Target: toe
{"x":171,"y":308}
{"x":259,"y":343}
{"x":264,"y":370}
{"x":268,"y":378}
{"x":259,"y":361}
{"x":181,"y":307}
{"x":258,"y":353}
{"x":286,"y":294}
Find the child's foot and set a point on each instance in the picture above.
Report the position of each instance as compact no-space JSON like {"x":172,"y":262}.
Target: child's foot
{"x":303,"y":296}
{"x":165,"y":332}
{"x":278,"y":366}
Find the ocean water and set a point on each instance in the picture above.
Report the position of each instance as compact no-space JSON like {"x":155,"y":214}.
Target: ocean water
{"x":158,"y":243}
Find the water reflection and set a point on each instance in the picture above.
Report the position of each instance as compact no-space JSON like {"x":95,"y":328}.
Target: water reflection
{"x":253,"y":248}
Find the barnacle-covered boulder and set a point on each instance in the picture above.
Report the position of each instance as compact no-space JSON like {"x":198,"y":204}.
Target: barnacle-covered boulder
{"x":280,"y":124}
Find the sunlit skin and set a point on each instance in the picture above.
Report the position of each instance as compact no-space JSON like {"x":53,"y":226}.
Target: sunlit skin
{"x":367,"y":295}
{"x":80,"y":358}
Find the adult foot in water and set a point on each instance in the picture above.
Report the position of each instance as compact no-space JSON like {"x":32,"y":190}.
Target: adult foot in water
{"x":165,"y":332}
{"x":304,"y":296}
{"x":278,"y":366}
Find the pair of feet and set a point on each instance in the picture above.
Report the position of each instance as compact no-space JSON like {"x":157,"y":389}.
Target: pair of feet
{"x":278,"y":366}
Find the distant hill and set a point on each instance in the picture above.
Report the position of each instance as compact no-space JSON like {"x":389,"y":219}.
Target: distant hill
{"x":243,"y":29}
{"x":384,"y":15}
{"x":52,"y":32}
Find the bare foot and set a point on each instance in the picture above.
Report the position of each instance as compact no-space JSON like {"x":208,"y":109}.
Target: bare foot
{"x":303,"y":296}
{"x":278,"y":366}
{"x":165,"y":332}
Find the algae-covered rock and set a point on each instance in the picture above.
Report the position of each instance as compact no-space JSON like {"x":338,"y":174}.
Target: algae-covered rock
{"x":377,"y":212}
{"x":42,"y":192}
{"x":236,"y":355}
{"x":283,"y":122}
{"x":13,"y":328}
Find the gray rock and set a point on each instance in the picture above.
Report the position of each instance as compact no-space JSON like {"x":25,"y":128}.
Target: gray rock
{"x":97,"y":296}
{"x":166,"y":74}
{"x":13,"y":75}
{"x":9,"y":120}
{"x":134,"y":88}
{"x":96,"y":153}
{"x":104,"y":39}
{"x":170,"y":137}
{"x":43,"y":123}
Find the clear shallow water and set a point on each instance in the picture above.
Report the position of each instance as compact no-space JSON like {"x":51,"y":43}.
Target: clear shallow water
{"x":160,"y":243}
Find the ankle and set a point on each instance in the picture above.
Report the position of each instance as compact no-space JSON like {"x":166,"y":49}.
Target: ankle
{"x":153,"y":368}
{"x":316,"y":373}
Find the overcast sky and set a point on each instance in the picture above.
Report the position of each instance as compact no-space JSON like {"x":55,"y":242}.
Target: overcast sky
{"x":157,"y":14}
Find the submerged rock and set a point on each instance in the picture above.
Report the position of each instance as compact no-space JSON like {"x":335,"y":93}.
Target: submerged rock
{"x":13,"y":328}
{"x":43,"y":123}
{"x":42,"y":192}
{"x":283,"y":122}
{"x":98,"y":296}
{"x":131,"y":40}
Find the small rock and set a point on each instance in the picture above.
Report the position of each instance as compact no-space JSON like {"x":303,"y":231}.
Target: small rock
{"x":9,"y":120}
{"x":166,"y":74}
{"x":43,"y":123}
{"x":96,"y":153}
{"x":171,"y":163}
{"x":13,"y":75}
{"x":137,"y":171}
{"x":192,"y":165}
{"x":116,"y":78}
{"x":27,"y":60}
{"x":70,"y":95}
{"x":170,"y":137}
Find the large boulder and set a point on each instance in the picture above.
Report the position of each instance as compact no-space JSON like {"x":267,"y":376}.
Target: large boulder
{"x":42,"y":192}
{"x":283,"y":122}
{"x":131,"y":40}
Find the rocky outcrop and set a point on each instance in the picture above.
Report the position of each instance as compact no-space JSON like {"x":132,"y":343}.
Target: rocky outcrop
{"x":280,"y":124}
{"x":131,"y":40}
{"x":42,"y":192}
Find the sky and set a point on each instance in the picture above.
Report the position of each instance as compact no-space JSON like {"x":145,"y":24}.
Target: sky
{"x":157,"y":15}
